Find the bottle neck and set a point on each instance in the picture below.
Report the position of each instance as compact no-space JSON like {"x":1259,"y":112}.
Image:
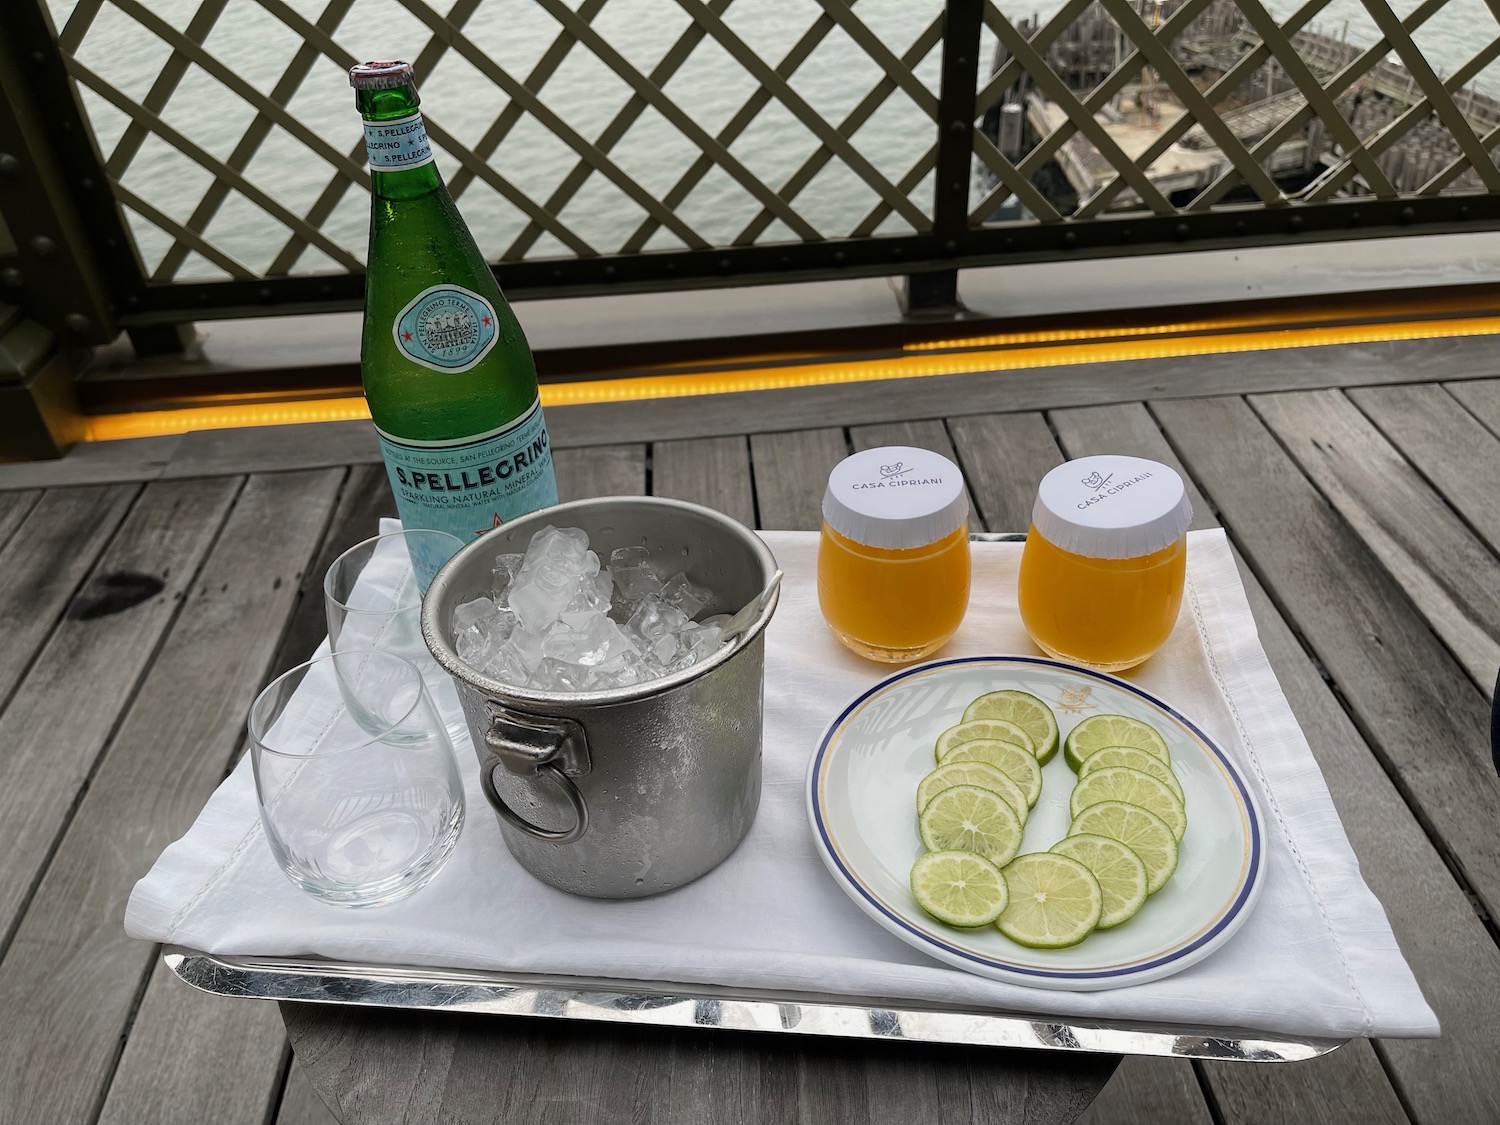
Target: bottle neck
{"x":396,"y":144}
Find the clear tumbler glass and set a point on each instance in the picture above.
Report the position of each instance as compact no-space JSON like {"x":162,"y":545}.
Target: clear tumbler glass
{"x":372,"y":594}
{"x":358,"y":787}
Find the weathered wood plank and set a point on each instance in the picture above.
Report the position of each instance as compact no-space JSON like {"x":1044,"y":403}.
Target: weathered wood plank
{"x":41,"y":566}
{"x":1442,"y":1080}
{"x":420,"y":1067}
{"x":791,"y":474}
{"x":230,"y":1076}
{"x":63,"y":711}
{"x":14,"y":507}
{"x":714,"y":472}
{"x":95,"y":462}
{"x":981,"y":391}
{"x":606,"y":470}
{"x":1005,"y":457}
{"x":1481,"y":397}
{"x":1448,"y":948}
{"x":72,"y":975}
{"x":1451,"y":576}
{"x":1447,"y":444}
{"x":1424,"y":718}
{"x":300,"y":1104}
{"x":265,"y":449}
{"x":1150,"y":1091}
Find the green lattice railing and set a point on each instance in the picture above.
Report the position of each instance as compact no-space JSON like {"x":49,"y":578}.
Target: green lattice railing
{"x":164,"y":160}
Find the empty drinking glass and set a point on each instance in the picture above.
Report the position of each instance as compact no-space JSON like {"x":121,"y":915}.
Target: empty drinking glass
{"x":358,"y":788}
{"x":373,"y":596}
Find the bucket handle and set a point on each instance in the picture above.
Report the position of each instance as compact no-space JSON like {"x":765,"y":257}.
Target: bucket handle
{"x":531,"y":746}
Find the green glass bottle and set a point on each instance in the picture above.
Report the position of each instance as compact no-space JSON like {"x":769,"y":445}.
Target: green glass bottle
{"x":447,"y":371}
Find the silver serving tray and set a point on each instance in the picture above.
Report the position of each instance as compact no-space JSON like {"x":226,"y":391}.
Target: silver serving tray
{"x":662,"y":1004}
{"x":703,"y":1006}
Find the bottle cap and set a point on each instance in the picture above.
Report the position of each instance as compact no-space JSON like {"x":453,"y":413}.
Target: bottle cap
{"x":380,"y":75}
{"x":895,"y":497}
{"x":1112,"y":507}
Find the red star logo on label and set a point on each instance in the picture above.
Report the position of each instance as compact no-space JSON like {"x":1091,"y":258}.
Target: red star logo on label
{"x":497,"y":523}
{"x":486,"y":320}
{"x":406,"y":336}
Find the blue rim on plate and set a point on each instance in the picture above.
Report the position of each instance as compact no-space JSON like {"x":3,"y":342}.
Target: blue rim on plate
{"x":1206,"y":918}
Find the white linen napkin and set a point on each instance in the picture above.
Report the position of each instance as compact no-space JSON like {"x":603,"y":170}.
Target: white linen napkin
{"x":1316,"y":958}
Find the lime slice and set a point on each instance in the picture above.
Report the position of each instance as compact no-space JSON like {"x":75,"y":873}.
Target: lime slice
{"x":1142,"y":832}
{"x":1098,"y":731}
{"x":1134,"y":758}
{"x":1134,"y":788}
{"x":1026,"y":711}
{"x":1002,"y":729}
{"x":1055,"y":901}
{"x":1012,"y":760}
{"x":1121,"y":874}
{"x":981,"y":774}
{"x":959,"y":888}
{"x":967,"y":818}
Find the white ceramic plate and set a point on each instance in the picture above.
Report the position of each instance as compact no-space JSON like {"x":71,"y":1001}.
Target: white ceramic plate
{"x":861,"y":800}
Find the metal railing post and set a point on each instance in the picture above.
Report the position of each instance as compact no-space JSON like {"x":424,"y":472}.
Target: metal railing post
{"x":938,"y":290}
{"x":73,"y":268}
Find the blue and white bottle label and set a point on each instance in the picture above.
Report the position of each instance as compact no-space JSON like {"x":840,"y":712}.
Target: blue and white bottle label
{"x":471,"y":485}
{"x":392,"y":145}
{"x":446,"y":328}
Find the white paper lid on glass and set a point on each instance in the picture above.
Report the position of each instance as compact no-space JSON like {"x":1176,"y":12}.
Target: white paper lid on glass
{"x":895,"y":497}
{"x":1112,"y":507}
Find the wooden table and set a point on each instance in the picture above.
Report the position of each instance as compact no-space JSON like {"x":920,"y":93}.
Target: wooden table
{"x":147,"y":590}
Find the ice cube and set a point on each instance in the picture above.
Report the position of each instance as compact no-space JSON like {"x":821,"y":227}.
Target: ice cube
{"x":471,"y":613}
{"x":479,"y":645}
{"x":633,"y":573}
{"x":599,"y":641}
{"x":686,"y":595}
{"x":504,"y":573}
{"x":654,"y":618}
{"x":526,"y":646}
{"x":621,"y":671}
{"x":593,"y":594}
{"x":559,"y":675}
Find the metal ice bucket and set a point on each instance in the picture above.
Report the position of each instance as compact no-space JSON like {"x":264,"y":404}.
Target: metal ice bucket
{"x":635,"y":790}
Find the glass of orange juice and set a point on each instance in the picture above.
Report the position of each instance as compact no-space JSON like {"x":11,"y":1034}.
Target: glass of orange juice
{"x":893,"y":562}
{"x":1105,"y":559}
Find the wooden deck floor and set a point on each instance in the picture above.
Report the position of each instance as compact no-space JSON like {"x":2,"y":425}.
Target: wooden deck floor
{"x":147,"y":589}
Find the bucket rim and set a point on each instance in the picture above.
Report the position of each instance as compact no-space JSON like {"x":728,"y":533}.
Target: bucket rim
{"x":545,"y":702}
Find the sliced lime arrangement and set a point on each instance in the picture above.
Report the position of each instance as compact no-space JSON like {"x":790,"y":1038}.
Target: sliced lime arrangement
{"x":1025,"y":711}
{"x":1133,"y":788}
{"x":1014,"y":762}
{"x":1055,"y":901}
{"x":1098,"y":731}
{"x":1142,"y":832}
{"x":1002,"y":730}
{"x":959,"y":888}
{"x":1121,"y":874}
{"x":970,"y":819}
{"x":1133,"y":758}
{"x":981,"y":774}
{"x":1128,"y":814}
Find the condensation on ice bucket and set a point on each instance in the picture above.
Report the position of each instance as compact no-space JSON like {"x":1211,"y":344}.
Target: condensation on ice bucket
{"x":635,"y":790}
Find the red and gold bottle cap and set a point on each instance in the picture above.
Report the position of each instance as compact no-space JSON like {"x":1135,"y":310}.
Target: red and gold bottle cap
{"x":380,"y":75}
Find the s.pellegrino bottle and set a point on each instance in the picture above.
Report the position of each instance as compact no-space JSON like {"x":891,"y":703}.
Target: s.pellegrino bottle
{"x":447,"y":372}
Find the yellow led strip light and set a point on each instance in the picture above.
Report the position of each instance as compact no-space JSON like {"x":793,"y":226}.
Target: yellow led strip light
{"x":917,"y":362}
